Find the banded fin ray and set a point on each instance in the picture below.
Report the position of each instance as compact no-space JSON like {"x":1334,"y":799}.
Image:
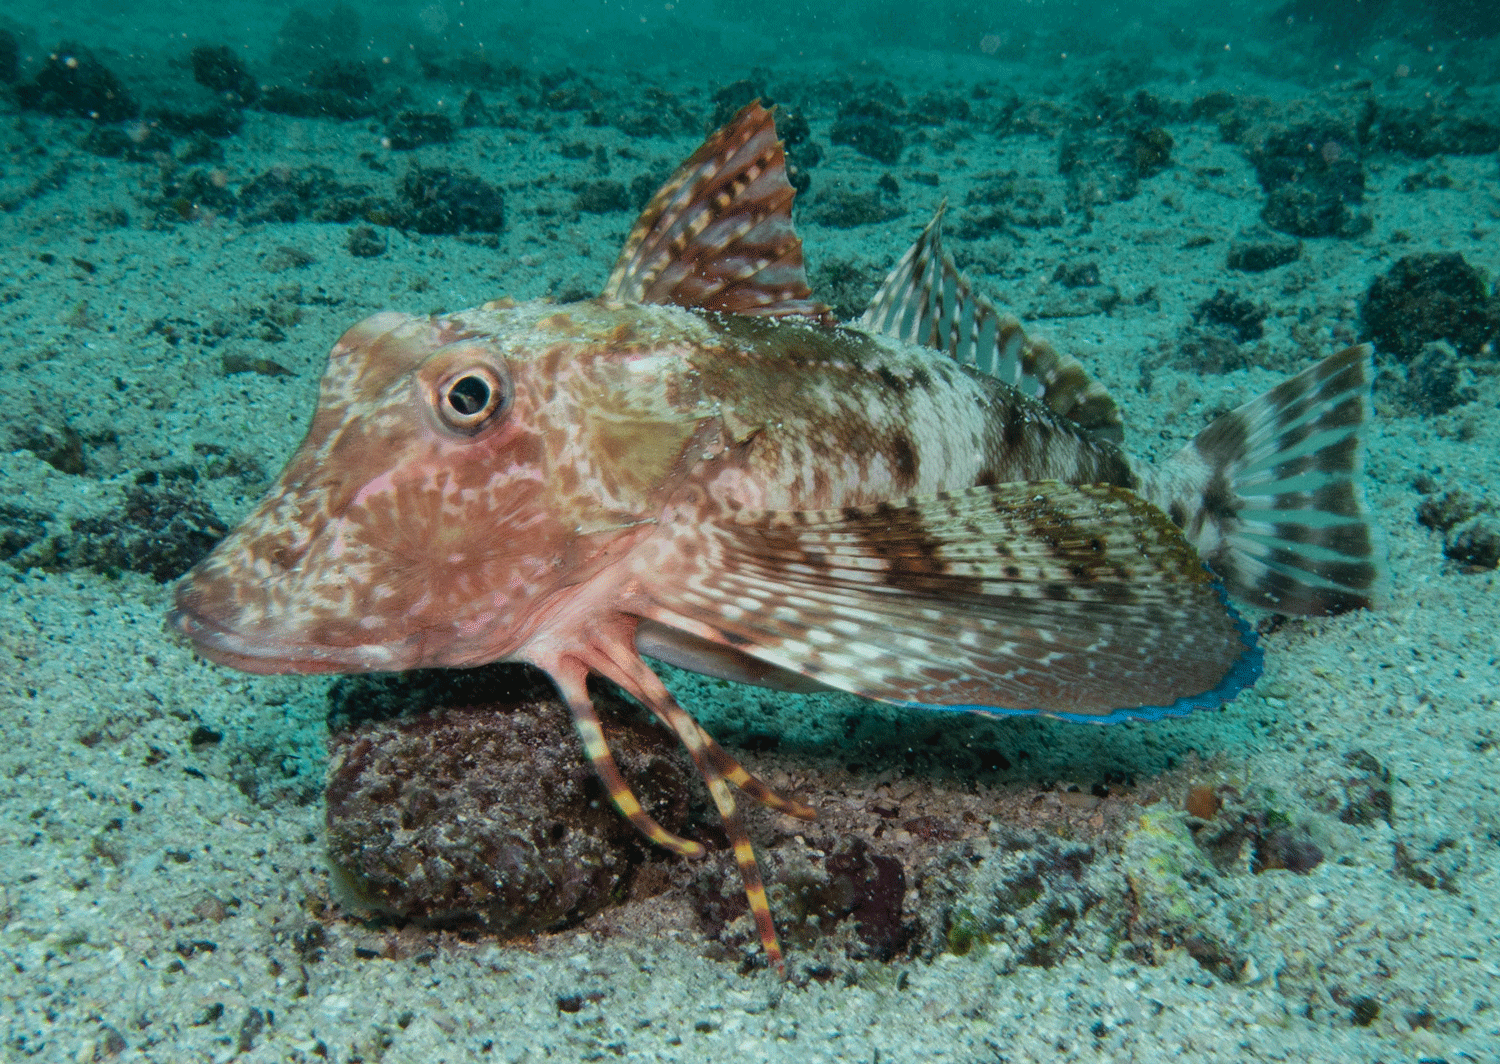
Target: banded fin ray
{"x":1075,"y":601}
{"x":926,"y":300}
{"x":1276,"y":509}
{"x":718,"y":235}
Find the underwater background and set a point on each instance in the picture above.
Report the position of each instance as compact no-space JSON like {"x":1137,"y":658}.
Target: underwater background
{"x":1194,"y":199}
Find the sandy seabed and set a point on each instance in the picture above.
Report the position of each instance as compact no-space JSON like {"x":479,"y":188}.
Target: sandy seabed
{"x":163,"y":889}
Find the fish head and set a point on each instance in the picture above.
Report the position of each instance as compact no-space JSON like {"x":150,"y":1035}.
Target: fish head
{"x":462,"y":475}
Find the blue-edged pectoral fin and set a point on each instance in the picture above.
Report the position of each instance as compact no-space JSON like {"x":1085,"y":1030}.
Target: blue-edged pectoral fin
{"x":1077,"y":601}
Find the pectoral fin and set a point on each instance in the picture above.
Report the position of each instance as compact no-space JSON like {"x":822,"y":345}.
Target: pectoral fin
{"x":1074,"y":601}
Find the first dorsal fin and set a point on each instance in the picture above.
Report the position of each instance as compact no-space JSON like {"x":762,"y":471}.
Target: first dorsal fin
{"x":925,"y":300}
{"x":718,"y":235}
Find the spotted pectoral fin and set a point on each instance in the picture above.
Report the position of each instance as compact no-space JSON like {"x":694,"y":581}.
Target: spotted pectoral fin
{"x":718,"y":235}
{"x":1073,"y":601}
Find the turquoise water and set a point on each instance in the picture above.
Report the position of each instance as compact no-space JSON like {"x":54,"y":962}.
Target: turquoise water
{"x":1195,"y":201}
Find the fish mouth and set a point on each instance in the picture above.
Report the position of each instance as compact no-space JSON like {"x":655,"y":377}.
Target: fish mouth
{"x":271,"y":655}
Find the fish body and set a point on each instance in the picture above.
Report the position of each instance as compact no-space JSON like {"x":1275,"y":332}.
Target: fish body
{"x":926,"y":507}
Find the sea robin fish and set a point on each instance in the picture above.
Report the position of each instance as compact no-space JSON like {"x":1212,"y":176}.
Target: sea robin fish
{"x":926,"y":507}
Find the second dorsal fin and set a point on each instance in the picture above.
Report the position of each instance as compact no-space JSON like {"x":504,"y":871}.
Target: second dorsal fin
{"x":925,"y":300}
{"x":718,"y":235}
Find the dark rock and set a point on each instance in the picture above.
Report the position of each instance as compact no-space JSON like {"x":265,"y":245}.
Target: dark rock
{"x":1005,"y":200}
{"x":1288,"y":850}
{"x":566,"y":91}
{"x":1431,"y":297}
{"x":1029,"y":892}
{"x":1313,"y":174}
{"x":1368,"y":794}
{"x":312,"y":194}
{"x":302,"y":103}
{"x":1440,"y":127}
{"x":1209,"y":351}
{"x":352,"y":78}
{"x":729,"y":99}
{"x":870,"y":128}
{"x":1475,"y":544}
{"x":1211,"y":106}
{"x":444,"y":201}
{"x":935,"y":108}
{"x":802,"y":152}
{"x":110,"y":217}
{"x":1262,"y":255}
{"x":413,"y":129}
{"x":1150,"y":150}
{"x":1436,"y":381}
{"x":217,"y":68}
{"x":141,"y":143}
{"x":73,"y":81}
{"x":1077,"y":275}
{"x":1304,"y":211}
{"x":216,"y":121}
{"x":845,"y":286}
{"x":1363,"y":1011}
{"x":366,"y":242}
{"x":793,"y":128}
{"x":643,"y":187}
{"x":473,"y":111}
{"x":1238,"y":317}
{"x":851,"y":884}
{"x":190,"y":195}
{"x":19,"y":529}
{"x":490,"y":817}
{"x":238,"y":362}
{"x":338,"y":89}
{"x":55,"y":442}
{"x":161,"y":532}
{"x":202,"y":149}
{"x":844,"y":208}
{"x":601,"y":197}
{"x":1100,"y":169}
{"x":1275,"y":842}
{"x":1442,"y":512}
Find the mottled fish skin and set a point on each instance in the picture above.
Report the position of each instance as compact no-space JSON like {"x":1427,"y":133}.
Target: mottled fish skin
{"x":701,"y":466}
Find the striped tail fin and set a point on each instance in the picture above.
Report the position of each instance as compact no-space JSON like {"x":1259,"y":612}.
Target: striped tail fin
{"x":1269,"y":493}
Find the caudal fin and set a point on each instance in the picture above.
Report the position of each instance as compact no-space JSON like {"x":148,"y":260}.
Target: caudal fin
{"x":1269,"y":493}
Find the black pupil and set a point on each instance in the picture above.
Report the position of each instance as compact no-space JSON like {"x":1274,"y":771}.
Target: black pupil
{"x":469,"y":395}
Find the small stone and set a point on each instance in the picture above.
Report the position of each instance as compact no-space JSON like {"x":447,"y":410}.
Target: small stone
{"x":413,"y":129}
{"x":1474,"y":544}
{"x":366,"y":242}
{"x":1261,"y":256}
{"x":601,"y":197}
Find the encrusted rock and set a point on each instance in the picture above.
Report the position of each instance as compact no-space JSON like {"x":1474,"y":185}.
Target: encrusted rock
{"x":489,"y":816}
{"x":1431,"y":297}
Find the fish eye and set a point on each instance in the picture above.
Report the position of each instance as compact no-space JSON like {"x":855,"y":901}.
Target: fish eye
{"x":469,"y":399}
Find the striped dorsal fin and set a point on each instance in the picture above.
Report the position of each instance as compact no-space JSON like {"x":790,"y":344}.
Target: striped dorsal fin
{"x":925,"y":300}
{"x":718,"y":235}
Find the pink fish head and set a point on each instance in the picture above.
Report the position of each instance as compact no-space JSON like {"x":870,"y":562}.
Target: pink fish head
{"x":461,"y":477}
